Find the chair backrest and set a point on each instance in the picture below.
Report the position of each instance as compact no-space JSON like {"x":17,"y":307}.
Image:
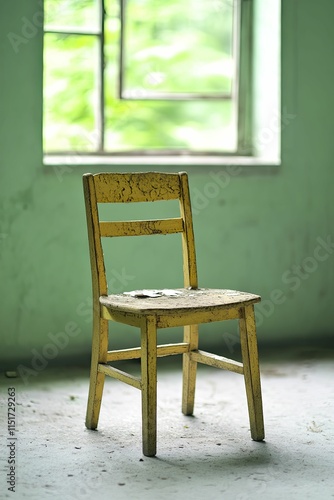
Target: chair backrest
{"x":137,"y":187}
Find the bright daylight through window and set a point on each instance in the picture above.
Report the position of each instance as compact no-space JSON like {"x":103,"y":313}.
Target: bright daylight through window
{"x":147,"y":76}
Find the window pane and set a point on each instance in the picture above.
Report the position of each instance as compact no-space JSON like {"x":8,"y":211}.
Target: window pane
{"x":196,"y":125}
{"x":70,"y":92}
{"x":178,"y":46}
{"x":71,"y":14}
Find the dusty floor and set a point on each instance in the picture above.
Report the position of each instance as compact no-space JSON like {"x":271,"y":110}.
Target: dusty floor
{"x":207,"y":456}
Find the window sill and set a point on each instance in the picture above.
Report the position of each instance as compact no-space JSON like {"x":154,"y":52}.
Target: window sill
{"x":96,"y":161}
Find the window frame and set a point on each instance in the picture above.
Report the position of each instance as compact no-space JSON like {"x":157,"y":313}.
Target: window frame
{"x":149,"y":95}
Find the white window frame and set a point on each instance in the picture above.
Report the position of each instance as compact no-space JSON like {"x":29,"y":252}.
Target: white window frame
{"x":251,"y":116}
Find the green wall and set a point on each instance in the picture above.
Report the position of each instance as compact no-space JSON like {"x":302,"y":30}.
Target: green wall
{"x":251,"y":228}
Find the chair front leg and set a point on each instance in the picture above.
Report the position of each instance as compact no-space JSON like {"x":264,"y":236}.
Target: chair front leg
{"x":189,"y":370}
{"x":149,"y":385}
{"x":250,"y":360}
{"x":99,"y":355}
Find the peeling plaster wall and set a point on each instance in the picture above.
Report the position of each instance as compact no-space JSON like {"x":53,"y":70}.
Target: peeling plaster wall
{"x":250,"y":231}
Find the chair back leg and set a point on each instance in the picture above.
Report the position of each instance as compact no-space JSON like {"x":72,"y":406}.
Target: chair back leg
{"x":189,"y":370}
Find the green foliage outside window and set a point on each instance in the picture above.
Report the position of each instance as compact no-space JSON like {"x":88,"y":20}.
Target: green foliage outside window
{"x":173,"y":47}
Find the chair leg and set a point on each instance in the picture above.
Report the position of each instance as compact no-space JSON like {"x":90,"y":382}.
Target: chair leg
{"x":99,"y":355}
{"x":189,"y":370}
{"x":149,"y":386}
{"x":251,"y":372}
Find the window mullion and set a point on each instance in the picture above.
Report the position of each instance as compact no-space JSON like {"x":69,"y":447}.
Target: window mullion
{"x":121,"y":51}
{"x":244,"y":88}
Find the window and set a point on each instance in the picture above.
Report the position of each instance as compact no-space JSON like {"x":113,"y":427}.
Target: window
{"x":130,"y":77}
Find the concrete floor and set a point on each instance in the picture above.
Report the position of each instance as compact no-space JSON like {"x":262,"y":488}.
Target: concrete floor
{"x":210,"y":455}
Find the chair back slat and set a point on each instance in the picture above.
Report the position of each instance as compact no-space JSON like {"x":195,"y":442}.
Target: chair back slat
{"x":136,"y":187}
{"x":141,"y":227}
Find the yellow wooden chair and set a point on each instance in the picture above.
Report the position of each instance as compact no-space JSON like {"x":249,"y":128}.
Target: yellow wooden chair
{"x":187,"y":307}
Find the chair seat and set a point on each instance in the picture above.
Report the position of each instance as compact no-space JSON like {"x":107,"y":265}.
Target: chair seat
{"x":161,"y":302}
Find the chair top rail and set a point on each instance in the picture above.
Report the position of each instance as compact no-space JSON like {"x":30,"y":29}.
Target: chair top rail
{"x":136,"y":187}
